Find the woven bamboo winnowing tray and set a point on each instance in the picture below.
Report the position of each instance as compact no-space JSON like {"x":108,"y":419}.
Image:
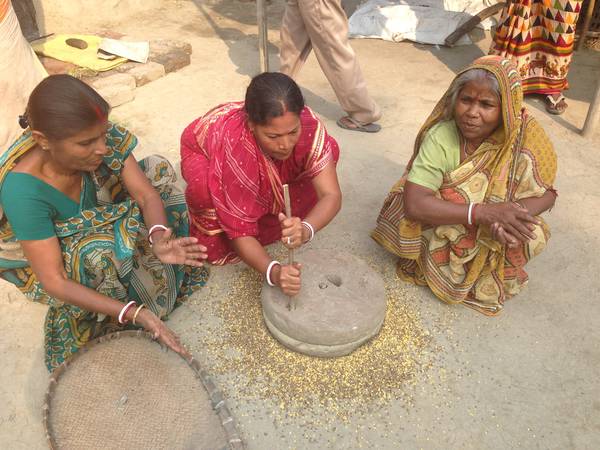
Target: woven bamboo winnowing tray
{"x":126,"y":391}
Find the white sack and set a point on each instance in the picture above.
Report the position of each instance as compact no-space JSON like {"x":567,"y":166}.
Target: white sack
{"x":423,"y":21}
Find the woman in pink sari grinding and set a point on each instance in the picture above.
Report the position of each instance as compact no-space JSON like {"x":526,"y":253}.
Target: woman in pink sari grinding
{"x":236,"y":159}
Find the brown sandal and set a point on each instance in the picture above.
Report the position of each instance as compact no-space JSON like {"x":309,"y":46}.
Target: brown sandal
{"x":556,"y":106}
{"x":348,"y":123}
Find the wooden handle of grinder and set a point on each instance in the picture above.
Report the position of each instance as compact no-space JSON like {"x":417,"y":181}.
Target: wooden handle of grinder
{"x":288,"y":213}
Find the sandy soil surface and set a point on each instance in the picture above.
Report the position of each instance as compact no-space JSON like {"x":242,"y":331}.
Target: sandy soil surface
{"x":525,"y":379}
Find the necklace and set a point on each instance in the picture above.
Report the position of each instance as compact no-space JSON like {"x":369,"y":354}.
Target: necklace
{"x":95,"y":178}
{"x":463,"y":149}
{"x":463,"y":143}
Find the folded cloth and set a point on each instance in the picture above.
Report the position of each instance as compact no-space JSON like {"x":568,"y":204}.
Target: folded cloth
{"x":57,"y":47}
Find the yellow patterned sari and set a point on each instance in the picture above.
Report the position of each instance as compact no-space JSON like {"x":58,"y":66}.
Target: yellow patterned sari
{"x":460,"y":263}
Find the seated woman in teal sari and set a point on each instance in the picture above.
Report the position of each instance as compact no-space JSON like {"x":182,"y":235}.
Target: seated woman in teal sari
{"x":86,"y":229}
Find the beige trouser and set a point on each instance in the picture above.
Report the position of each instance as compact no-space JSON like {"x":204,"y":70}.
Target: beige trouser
{"x":322,"y":25}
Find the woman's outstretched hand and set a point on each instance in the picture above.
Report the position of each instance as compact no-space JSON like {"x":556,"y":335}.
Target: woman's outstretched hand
{"x":161,"y":332}
{"x":288,"y":278}
{"x":507,"y":221}
{"x":184,"y":250}
{"x":291,"y":231}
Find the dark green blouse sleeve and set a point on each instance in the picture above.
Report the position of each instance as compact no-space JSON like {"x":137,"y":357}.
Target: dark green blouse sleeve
{"x":29,"y":215}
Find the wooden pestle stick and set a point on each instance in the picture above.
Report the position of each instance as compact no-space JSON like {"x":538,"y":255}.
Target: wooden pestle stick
{"x":288,"y":213}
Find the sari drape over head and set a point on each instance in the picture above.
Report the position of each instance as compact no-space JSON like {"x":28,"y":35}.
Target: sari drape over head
{"x":461,"y":263}
{"x":234,"y":189}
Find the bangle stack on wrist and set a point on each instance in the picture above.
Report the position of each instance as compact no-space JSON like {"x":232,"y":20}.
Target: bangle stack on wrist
{"x":310,"y":229}
{"x":124,"y":310}
{"x":471,"y":214}
{"x":137,"y":311}
{"x":268,"y":273}
{"x":154,"y":228}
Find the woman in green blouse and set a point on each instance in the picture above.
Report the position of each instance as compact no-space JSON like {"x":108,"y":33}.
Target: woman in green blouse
{"x":79,"y":217}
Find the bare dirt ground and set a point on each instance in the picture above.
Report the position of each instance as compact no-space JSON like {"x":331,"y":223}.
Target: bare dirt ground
{"x":525,"y":379}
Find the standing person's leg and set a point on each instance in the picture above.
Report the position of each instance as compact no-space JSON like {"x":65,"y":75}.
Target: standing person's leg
{"x":295,"y":43}
{"x":562,"y":30}
{"x":327,"y":26}
{"x":543,"y":61}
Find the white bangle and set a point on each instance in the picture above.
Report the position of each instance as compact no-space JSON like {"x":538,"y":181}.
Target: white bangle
{"x":268,"y":274}
{"x":124,"y":311}
{"x":153,"y":228}
{"x":470,"y":214}
{"x":310,"y":229}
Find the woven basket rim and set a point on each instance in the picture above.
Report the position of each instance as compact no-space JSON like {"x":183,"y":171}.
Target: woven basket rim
{"x":216,"y":397}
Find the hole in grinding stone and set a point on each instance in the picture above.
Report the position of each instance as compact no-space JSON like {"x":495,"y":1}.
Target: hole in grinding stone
{"x":323,"y":285}
{"x":335,"y":279}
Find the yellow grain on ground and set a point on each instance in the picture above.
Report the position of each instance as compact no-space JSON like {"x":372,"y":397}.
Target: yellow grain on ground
{"x":371,"y":376}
